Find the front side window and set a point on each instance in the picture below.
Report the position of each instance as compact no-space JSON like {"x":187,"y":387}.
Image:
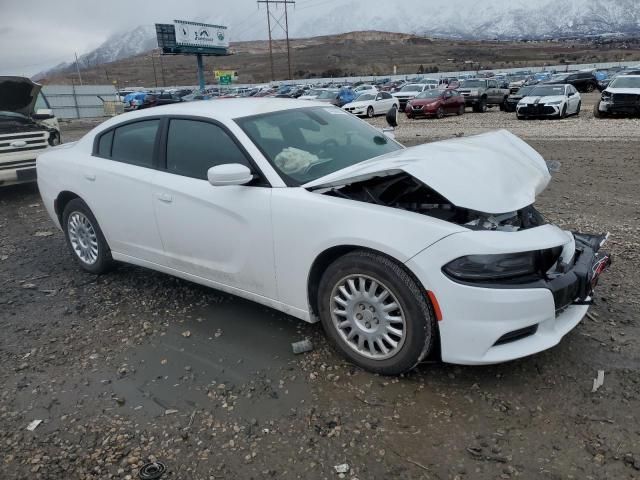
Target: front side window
{"x":305,"y":144}
{"x":193,"y":147}
{"x":134,"y":143}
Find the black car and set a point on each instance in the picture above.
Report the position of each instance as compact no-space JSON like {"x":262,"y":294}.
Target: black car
{"x":514,"y":98}
{"x":583,"y":81}
{"x":168,"y":99}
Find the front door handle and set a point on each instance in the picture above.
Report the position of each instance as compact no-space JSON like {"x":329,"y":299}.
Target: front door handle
{"x":90,"y":176}
{"x":165,"y":197}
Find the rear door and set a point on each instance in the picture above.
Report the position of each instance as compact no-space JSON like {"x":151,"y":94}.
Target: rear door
{"x":222,"y":234}
{"x":119,"y":177}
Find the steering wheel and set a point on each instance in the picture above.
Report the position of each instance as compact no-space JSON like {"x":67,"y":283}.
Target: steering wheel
{"x":327,"y":144}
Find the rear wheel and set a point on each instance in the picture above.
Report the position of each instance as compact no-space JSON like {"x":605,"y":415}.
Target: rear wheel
{"x":461,"y":110}
{"x":370,"y":112}
{"x":590,"y":87}
{"x":85,"y":239}
{"x":375,"y":313}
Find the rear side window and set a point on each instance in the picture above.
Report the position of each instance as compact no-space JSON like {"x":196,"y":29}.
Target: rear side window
{"x":104,"y":144}
{"x":134,"y":143}
{"x":193,"y":147}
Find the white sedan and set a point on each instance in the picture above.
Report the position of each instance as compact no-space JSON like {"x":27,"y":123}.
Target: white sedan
{"x":372,"y":104}
{"x":550,"y":101}
{"x":307,"y":209}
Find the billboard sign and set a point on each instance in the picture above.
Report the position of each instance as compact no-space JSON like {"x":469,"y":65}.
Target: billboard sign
{"x":225,"y":73}
{"x":194,"y":34}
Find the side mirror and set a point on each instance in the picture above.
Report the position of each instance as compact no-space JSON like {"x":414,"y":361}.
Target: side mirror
{"x":43,"y":114}
{"x":392,"y":117}
{"x":229,"y":174}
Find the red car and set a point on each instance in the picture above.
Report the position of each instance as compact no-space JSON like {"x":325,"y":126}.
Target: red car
{"x":435,"y":103}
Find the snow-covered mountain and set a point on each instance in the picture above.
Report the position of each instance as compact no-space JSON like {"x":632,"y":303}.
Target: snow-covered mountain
{"x":489,"y":19}
{"x":461,"y":19}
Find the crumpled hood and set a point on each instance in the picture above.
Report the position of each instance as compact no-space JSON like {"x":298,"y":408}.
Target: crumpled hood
{"x":18,"y":94}
{"x":550,"y":98}
{"x":494,"y":172}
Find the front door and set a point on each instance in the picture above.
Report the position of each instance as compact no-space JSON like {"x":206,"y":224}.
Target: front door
{"x":222,"y":234}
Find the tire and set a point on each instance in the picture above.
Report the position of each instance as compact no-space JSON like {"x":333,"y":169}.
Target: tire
{"x":418,"y":332}
{"x":520,"y":117}
{"x":563,"y":113}
{"x":596,"y":111}
{"x":589,"y":88}
{"x":370,"y":112}
{"x":440,"y":113}
{"x":79,"y":226}
{"x":461,"y":110}
{"x":482,"y":106}
{"x":578,"y":109}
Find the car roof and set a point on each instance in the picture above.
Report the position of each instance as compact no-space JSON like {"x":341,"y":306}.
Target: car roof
{"x":224,"y":108}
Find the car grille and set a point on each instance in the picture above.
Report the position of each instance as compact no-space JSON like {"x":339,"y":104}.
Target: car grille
{"x":536,"y":109}
{"x":417,"y":107}
{"x":32,"y":142}
{"x":629,"y":99}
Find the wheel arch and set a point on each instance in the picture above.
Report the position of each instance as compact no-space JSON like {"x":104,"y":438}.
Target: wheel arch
{"x":61,"y":202}
{"x":331,"y":254}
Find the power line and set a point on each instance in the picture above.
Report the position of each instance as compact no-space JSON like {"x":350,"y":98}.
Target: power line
{"x":285,"y":28}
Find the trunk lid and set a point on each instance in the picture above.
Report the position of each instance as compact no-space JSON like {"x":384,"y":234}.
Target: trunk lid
{"x":493,"y":172}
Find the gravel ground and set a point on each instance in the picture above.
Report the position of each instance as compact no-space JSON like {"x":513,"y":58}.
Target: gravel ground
{"x":136,"y":366}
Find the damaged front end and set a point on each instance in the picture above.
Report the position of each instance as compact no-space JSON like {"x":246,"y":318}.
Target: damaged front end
{"x":569,"y":271}
{"x":406,"y":192}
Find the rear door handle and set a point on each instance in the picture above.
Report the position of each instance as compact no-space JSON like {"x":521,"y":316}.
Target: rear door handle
{"x":165,"y":197}
{"x":90,"y":176}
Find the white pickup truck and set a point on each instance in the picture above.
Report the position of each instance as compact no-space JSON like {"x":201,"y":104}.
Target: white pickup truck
{"x":27,"y":127}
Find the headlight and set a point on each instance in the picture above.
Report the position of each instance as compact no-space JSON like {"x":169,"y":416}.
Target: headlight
{"x":557,"y":102}
{"x":473,"y":268}
{"x":606,"y":95}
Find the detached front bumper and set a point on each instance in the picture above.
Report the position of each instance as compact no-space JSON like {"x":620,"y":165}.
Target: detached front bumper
{"x":485,"y":324}
{"x":630,"y":105}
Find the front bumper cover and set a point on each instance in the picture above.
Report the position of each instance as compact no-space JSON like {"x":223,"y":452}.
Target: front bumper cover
{"x":476,"y":318}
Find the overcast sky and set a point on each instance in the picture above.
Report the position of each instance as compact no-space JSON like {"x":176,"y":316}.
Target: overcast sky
{"x":38,"y":34}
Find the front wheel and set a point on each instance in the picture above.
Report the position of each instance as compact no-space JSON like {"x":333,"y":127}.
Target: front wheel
{"x":563,"y":113}
{"x":482,"y":106}
{"x":578,"y":108}
{"x":370,"y":112}
{"x":596,"y":111}
{"x":375,"y":313}
{"x":85,"y":239}
{"x":440,"y":112}
{"x":461,"y":110}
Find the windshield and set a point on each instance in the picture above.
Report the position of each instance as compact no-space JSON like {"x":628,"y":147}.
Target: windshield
{"x":327,"y":94}
{"x":305,"y":144}
{"x":625,"y":82}
{"x":429,"y":94}
{"x":547,"y":91}
{"x":411,"y":88}
{"x":557,"y":78}
{"x":474,"y":83}
{"x":365,"y":97}
{"x":524,"y":91}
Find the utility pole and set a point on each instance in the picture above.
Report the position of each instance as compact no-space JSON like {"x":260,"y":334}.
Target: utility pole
{"x":164,"y":82}
{"x":78,"y":69}
{"x":155,"y":76}
{"x":285,"y":28}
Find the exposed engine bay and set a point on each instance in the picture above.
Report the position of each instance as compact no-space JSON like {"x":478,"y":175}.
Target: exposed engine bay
{"x":408,"y":193}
